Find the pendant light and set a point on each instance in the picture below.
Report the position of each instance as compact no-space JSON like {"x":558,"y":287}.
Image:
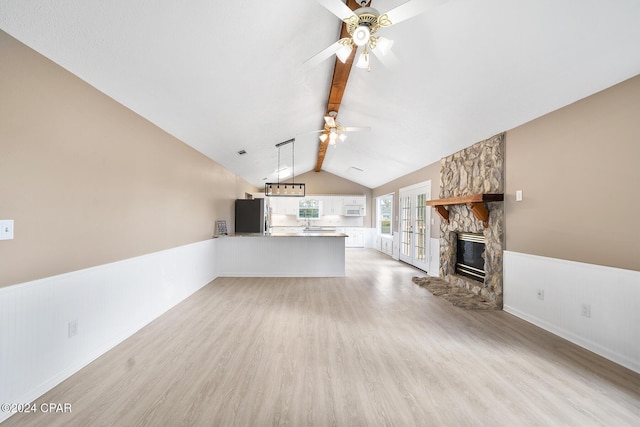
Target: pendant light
{"x":288,"y":189}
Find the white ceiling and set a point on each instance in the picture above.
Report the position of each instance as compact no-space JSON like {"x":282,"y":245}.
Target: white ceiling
{"x":228,"y":75}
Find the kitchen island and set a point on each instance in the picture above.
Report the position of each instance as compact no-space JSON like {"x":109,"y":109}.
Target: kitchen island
{"x":303,"y":254}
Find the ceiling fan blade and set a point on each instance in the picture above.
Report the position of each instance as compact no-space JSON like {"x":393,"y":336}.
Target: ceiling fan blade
{"x":310,"y":132}
{"x":322,"y":56}
{"x":389,"y":60}
{"x":357,"y":129}
{"x":330,"y":121}
{"x":410,"y":9}
{"x":338,"y":8}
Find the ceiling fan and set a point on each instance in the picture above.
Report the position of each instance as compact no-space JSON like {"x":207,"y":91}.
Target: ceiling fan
{"x":362,"y":26}
{"x":334,"y":132}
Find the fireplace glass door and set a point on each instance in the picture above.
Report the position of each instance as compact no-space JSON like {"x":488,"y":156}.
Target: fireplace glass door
{"x":414,"y":225}
{"x":470,"y":256}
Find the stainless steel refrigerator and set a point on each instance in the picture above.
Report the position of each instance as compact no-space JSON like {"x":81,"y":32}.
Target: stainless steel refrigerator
{"x":250,"y":216}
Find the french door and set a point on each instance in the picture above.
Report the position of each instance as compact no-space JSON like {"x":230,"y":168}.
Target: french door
{"x":415,"y":225}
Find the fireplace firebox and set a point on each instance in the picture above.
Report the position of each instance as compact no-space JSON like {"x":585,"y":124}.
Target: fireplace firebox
{"x":470,"y":256}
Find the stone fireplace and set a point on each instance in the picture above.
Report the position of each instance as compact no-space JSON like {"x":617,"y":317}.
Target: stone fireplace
{"x":475,"y":170}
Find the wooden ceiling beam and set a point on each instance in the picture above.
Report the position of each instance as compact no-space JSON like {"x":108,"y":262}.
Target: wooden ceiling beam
{"x":338,"y":85}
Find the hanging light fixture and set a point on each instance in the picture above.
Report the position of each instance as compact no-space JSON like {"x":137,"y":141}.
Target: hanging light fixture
{"x":285,"y":189}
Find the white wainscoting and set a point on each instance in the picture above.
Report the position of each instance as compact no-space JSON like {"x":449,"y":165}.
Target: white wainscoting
{"x":370,"y":235}
{"x":434,"y":253}
{"x":613,"y":328}
{"x":109,"y":303}
{"x":396,"y":245}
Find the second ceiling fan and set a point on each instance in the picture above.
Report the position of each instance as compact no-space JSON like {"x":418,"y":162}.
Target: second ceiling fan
{"x":334,"y":132}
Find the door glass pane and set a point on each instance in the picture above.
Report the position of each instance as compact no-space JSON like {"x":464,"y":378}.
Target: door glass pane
{"x":420,"y":229}
{"x":405,"y":235}
{"x":385,"y":211}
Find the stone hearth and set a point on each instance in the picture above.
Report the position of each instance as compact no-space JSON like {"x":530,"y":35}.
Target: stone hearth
{"x":476,"y":169}
{"x":459,"y":297}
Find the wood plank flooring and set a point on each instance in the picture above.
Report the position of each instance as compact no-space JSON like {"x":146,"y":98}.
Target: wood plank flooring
{"x":369,"y":349}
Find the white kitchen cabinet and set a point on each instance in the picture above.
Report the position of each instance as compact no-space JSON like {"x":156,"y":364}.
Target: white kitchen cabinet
{"x":273,"y":204}
{"x":284,"y":205}
{"x":332,"y":205}
{"x":386,"y":245}
{"x":354,"y":200}
{"x":355,"y":237}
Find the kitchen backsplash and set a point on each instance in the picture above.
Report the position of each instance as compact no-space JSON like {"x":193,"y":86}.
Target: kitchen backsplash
{"x":324,"y":221}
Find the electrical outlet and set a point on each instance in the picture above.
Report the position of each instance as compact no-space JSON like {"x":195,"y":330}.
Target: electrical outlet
{"x":541,"y":294}
{"x":73,"y":328}
{"x":586,"y":310}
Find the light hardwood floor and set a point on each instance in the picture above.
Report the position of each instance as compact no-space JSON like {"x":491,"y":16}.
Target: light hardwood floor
{"x":371,"y":348}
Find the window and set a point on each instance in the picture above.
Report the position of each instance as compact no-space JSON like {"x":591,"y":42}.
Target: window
{"x":384,"y":214}
{"x":309,"y":209}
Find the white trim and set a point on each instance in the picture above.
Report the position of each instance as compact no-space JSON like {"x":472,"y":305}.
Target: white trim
{"x":412,"y":192}
{"x":417,"y":186}
{"x":377,"y":213}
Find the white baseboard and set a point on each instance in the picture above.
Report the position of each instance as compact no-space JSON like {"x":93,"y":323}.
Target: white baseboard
{"x":105,"y":301}
{"x":613,"y":295}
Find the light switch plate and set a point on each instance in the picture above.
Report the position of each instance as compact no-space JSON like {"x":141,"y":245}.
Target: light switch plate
{"x":518,"y":195}
{"x":6,"y":229}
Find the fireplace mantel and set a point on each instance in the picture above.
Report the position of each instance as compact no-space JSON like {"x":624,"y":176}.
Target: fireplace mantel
{"x":474,"y":201}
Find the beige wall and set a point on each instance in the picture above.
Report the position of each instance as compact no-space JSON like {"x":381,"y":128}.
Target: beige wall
{"x":578,"y":170}
{"x":89,"y":182}
{"x":430,"y":172}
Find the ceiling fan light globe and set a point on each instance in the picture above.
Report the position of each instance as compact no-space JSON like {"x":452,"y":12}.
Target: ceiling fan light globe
{"x":323,"y":137}
{"x":330,"y":121}
{"x":343,"y":53}
{"x":342,"y":137}
{"x":361,"y":35}
{"x":383,"y":46}
{"x":363,"y":61}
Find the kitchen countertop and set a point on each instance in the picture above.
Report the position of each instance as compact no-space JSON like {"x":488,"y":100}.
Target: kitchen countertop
{"x":290,"y":234}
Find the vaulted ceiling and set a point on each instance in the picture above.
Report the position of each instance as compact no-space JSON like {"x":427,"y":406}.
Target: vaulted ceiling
{"x":225,"y":76}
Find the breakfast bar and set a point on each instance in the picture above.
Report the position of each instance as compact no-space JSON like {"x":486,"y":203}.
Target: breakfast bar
{"x":303,"y":254}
